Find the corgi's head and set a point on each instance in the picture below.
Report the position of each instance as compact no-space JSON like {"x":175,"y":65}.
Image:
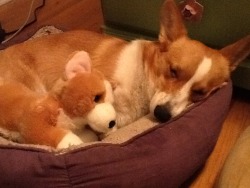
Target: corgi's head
{"x":185,"y":70}
{"x":84,"y":94}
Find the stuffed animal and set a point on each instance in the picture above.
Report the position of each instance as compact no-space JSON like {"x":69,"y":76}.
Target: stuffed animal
{"x":86,"y":97}
{"x":78,"y":99}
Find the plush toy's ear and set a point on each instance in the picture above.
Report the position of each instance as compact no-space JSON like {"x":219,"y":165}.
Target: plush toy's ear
{"x":79,"y":63}
{"x":237,"y":51}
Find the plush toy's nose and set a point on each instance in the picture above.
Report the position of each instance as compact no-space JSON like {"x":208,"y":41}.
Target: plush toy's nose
{"x":112,"y":124}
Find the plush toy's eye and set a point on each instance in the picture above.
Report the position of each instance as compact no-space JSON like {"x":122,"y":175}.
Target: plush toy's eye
{"x":97,"y":98}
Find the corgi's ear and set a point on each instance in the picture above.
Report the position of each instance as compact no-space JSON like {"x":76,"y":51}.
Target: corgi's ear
{"x":79,"y":63}
{"x":237,"y":52}
{"x":171,"y":24}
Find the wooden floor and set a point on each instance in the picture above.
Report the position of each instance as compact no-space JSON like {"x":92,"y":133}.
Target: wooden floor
{"x":86,"y":14}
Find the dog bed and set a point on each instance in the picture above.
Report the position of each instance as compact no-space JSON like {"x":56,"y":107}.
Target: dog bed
{"x":143,"y":154}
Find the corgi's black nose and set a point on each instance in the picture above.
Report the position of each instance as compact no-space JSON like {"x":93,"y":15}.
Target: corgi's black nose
{"x":162,"y":113}
{"x":112,"y":124}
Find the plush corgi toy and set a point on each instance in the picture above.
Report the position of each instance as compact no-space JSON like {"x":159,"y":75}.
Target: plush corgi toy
{"x":49,"y":118}
{"x":86,"y":97}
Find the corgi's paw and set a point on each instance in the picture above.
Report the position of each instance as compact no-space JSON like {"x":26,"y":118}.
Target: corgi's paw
{"x":68,"y":140}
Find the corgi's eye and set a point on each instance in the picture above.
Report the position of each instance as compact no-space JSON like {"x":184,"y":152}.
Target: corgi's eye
{"x":97,"y":98}
{"x":173,"y":73}
{"x":197,"y":95}
{"x":198,"y":92}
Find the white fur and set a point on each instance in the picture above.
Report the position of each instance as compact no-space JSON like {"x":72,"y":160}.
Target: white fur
{"x":201,"y":71}
{"x":131,"y":94}
{"x":68,"y":140}
{"x":100,"y":117}
{"x":128,"y":63}
{"x":180,"y":102}
{"x":177,"y":102}
{"x":77,"y":126}
{"x":11,"y":135}
{"x":159,"y":98}
{"x":109,"y":97}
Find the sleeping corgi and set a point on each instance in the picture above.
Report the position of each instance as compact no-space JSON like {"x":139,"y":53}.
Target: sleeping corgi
{"x":159,"y":77}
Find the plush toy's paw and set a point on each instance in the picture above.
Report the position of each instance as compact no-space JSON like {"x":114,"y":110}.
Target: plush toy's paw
{"x":68,"y":140}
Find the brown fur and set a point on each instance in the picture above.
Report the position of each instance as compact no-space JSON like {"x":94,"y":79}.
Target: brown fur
{"x":33,"y":115}
{"x":79,"y":95}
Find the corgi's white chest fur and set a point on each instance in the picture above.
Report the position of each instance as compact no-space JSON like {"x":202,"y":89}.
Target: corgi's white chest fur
{"x":131,"y":94}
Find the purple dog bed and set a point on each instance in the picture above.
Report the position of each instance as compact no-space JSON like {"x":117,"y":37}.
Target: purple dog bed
{"x":164,"y":156}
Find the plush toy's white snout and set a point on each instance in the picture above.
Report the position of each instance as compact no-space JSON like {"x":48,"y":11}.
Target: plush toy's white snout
{"x":102,"y":118}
